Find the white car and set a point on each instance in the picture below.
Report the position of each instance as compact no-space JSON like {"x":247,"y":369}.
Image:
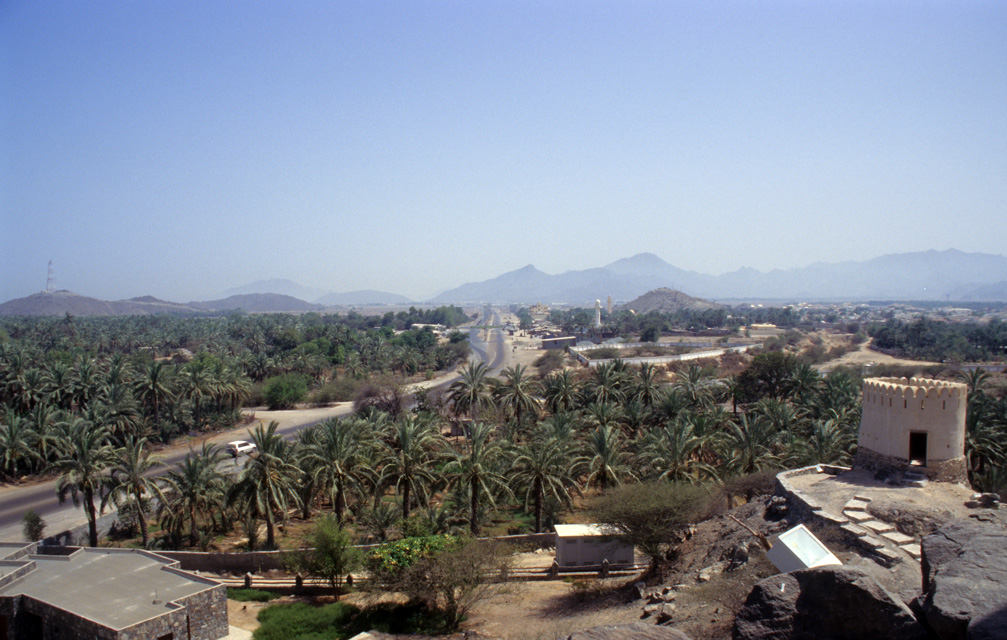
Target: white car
{"x":239,"y":448}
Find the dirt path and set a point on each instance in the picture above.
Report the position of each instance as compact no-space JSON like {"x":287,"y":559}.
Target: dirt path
{"x":865,"y":355}
{"x":547,"y":610}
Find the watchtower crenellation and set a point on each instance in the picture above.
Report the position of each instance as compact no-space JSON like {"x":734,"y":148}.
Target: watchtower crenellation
{"x":917,"y":422}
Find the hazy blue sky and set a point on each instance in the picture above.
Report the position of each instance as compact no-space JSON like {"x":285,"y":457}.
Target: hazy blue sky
{"x":182,"y":148}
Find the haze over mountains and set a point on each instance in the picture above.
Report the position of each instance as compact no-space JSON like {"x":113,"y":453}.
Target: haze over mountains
{"x":927,"y":275}
{"x":320,"y":296}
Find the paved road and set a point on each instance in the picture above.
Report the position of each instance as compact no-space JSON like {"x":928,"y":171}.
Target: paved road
{"x":41,"y":497}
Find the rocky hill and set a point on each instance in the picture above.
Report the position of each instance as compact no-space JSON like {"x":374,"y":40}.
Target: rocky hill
{"x":665,"y":300}
{"x":258,"y":303}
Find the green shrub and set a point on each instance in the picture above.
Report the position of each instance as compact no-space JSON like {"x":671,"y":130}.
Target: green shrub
{"x":283,"y":392}
{"x":393,"y":557}
{"x":251,"y":595}
{"x":299,"y":621}
{"x":338,"y":390}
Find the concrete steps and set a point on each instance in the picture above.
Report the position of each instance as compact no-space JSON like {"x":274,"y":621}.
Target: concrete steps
{"x":912,"y":549}
{"x":878,"y":535}
{"x":878,"y":526}
{"x":898,"y":538}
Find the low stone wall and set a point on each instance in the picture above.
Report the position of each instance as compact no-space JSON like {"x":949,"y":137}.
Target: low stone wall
{"x":953,"y":470}
{"x":806,"y":509}
{"x":802,"y":505}
{"x":262,"y":561}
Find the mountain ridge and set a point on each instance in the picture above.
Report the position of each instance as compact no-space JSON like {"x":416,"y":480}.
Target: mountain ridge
{"x":921,"y":275}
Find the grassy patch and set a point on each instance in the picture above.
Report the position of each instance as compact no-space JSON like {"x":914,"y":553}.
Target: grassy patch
{"x":398,"y":618}
{"x":301,"y":621}
{"x":251,"y":595}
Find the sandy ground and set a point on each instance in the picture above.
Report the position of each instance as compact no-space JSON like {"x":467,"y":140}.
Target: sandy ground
{"x":547,"y":610}
{"x":243,"y":614}
{"x":541,"y":610}
{"x":864,"y":355}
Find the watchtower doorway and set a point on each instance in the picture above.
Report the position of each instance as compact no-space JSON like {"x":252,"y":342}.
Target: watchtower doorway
{"x":918,"y":448}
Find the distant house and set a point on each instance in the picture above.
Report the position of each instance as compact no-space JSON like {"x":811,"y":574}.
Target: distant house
{"x":105,"y":594}
{"x":579,"y":545}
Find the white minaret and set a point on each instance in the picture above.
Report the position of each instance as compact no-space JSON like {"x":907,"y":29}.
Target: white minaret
{"x":597,"y":314}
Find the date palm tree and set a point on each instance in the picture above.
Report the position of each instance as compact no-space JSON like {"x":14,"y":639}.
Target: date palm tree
{"x":472,"y":391}
{"x":130,"y":482}
{"x":749,"y":445}
{"x":646,"y":388}
{"x":827,"y":443}
{"x":605,"y":459}
{"x":478,"y":469}
{"x":197,"y":384}
{"x":695,"y":387}
{"x":608,"y":383}
{"x":340,"y":460}
{"x":268,"y":483}
{"x":82,"y":464}
{"x":560,"y":391}
{"x":154,"y":388}
{"x":544,"y":469}
{"x":196,"y":488}
{"x":516,"y":392}
{"x":405,"y":460}
{"x":674,"y":453}
{"x":17,"y":448}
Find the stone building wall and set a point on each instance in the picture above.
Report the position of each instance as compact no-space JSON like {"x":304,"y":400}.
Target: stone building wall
{"x":207,"y":612}
{"x":57,"y":624}
{"x":172,"y":622}
{"x":939,"y":471}
{"x":895,"y":407}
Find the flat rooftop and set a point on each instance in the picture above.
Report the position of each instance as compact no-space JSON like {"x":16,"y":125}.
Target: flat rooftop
{"x":584,"y":530}
{"x":116,"y":588}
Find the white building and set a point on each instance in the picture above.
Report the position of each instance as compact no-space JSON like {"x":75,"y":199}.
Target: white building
{"x":579,"y":545}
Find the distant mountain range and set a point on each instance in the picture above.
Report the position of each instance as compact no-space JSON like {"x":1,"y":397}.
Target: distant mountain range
{"x":925,"y":275}
{"x":60,"y":303}
{"x":320,"y":296}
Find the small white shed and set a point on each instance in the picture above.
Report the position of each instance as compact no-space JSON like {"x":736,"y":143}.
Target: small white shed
{"x":579,"y":545}
{"x":798,"y":548}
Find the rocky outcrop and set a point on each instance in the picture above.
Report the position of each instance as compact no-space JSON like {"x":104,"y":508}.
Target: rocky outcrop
{"x":965,"y":580}
{"x":635,"y":631}
{"x":827,"y":603}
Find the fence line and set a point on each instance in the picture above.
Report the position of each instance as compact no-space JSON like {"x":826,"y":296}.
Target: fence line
{"x":695,"y":355}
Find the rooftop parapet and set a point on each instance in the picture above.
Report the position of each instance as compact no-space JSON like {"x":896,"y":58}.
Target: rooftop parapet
{"x":922,"y":388}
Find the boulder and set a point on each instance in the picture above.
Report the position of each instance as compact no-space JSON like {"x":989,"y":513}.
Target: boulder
{"x":825,"y":603}
{"x":639,"y":591}
{"x":965,"y":579}
{"x":708,"y":573}
{"x":635,"y":631}
{"x":663,"y":612}
{"x":777,"y":508}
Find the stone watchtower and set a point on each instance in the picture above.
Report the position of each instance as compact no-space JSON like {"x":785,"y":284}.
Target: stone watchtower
{"x":914,"y":425}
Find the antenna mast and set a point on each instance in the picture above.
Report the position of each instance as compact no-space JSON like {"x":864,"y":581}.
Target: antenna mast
{"x":49,"y":279}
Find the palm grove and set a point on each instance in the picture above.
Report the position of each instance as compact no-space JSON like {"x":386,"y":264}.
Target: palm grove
{"x":532,"y":444}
